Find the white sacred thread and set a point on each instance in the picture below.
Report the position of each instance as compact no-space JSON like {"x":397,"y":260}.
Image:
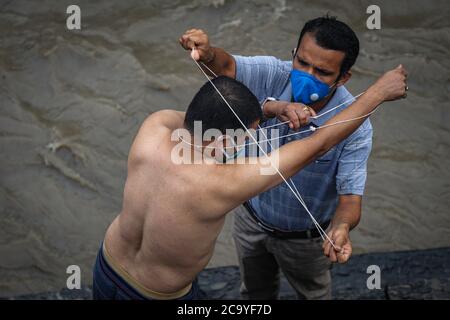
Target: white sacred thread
{"x":296,"y":193}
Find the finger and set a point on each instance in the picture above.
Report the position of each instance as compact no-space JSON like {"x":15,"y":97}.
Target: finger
{"x":283,"y":118}
{"x":191,"y":32}
{"x":187,"y":42}
{"x":200,"y":32}
{"x":347,"y":253}
{"x":327,"y":248}
{"x":303,"y":117}
{"x":190,"y":44}
{"x":327,"y":244}
{"x":293,"y":117}
{"x":190,"y":36}
{"x":312,"y":112}
{"x":183,"y":43}
{"x":186,"y":36}
{"x":195,"y":55}
{"x":333,"y":257}
{"x":342,"y":257}
{"x":338,"y":243}
{"x":193,"y":38}
{"x":324,"y":247}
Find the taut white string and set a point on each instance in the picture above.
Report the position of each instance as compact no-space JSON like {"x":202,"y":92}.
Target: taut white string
{"x":265,"y":154}
{"x":296,"y":192}
{"x":321,"y":114}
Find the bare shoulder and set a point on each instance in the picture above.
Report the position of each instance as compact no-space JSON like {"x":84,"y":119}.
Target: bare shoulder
{"x":154,"y":134}
{"x":159,"y":123}
{"x":166,"y":118}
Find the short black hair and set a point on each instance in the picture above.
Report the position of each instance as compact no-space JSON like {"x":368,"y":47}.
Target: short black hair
{"x":333,"y":34}
{"x":208,"y":107}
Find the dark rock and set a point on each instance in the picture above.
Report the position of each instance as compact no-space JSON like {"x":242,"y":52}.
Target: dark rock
{"x":422,"y":274}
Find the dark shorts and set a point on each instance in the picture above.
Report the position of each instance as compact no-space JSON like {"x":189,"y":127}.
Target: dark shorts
{"x":109,"y":285}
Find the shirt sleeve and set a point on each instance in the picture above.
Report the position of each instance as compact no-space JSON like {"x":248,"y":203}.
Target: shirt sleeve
{"x":265,"y":76}
{"x":352,"y":164}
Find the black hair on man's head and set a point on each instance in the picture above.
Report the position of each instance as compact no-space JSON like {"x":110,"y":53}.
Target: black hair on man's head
{"x":333,"y":34}
{"x":208,"y":107}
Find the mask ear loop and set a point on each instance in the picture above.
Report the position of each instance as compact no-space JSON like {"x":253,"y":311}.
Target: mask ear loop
{"x":222,"y":138}
{"x":331,"y":89}
{"x":336,"y":81}
{"x":293,"y":52}
{"x":234,"y":145}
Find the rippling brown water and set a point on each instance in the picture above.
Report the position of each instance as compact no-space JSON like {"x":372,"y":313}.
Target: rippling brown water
{"x":72,"y":101}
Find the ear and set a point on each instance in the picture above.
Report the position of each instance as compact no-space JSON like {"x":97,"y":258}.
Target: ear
{"x":344,"y":78}
{"x":255,"y":124}
{"x":225,"y":139}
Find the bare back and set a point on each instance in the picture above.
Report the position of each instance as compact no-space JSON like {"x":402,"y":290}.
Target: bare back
{"x":171,"y":215}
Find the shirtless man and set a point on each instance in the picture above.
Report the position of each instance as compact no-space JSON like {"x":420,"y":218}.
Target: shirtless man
{"x":172,"y":213}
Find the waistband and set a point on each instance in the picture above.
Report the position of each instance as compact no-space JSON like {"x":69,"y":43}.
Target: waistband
{"x":283,"y":234}
{"x":132,"y":282}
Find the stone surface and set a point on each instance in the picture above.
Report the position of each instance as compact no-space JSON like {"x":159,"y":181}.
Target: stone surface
{"x":422,"y":274}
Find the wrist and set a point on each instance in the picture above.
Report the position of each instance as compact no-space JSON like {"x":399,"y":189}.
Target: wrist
{"x":210,"y":57}
{"x":272,"y":108}
{"x":266,"y":107}
{"x":376,"y":94}
{"x":341,"y":225}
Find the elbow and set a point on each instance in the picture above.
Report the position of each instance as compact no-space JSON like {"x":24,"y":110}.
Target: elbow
{"x":323,"y":150}
{"x":324,"y":147}
{"x":229,"y":68}
{"x":319,"y":144}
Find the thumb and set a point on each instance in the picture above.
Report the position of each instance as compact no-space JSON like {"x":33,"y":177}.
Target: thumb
{"x":400,"y":67}
{"x":338,"y":242}
{"x":337,"y":248}
{"x":194,"y":54}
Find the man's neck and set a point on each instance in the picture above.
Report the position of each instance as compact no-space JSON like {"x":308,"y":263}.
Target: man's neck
{"x":198,"y":147}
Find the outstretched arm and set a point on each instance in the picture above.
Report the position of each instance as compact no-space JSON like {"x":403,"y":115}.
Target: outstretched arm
{"x":292,"y":157}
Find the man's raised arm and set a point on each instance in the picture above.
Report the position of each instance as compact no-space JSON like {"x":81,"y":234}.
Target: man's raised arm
{"x":295,"y":155}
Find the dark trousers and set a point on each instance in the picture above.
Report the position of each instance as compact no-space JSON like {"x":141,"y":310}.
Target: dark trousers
{"x":108,"y":285}
{"x":261,"y":257}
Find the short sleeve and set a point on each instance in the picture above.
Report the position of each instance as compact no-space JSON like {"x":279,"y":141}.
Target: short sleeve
{"x":265,"y":76}
{"x":352,"y":164}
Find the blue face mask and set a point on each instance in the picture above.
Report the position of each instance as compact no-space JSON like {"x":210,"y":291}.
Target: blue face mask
{"x":228,"y":156}
{"x":233,"y":156}
{"x":306,"y":88}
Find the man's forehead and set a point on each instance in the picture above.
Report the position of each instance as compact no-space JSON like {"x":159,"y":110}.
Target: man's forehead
{"x":320,"y":57}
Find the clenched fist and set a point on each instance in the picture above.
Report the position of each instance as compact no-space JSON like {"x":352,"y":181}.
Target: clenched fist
{"x":392,"y":85}
{"x":197,"y":39}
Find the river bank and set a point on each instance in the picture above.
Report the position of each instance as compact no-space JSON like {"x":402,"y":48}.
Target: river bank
{"x":72,"y":102}
{"x":419,"y":274}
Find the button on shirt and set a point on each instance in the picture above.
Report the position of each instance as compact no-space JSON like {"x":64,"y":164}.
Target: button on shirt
{"x":342,"y":170}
